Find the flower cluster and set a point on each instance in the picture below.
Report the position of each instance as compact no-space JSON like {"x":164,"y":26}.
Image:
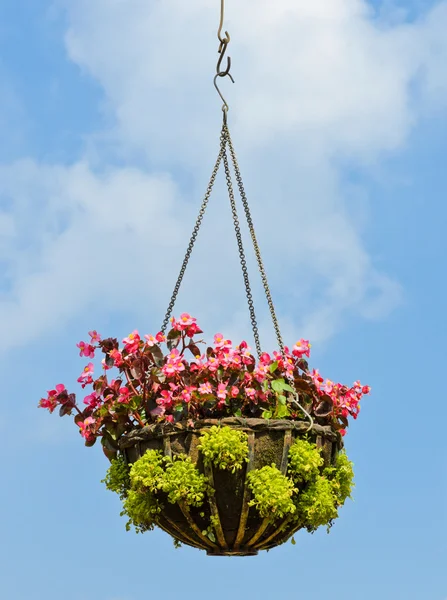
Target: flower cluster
{"x":186,"y":384}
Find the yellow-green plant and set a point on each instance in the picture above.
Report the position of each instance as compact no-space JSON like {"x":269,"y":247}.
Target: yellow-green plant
{"x":224,"y":447}
{"x":272,"y":492}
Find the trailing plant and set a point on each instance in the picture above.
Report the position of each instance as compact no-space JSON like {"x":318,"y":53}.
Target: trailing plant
{"x":305,"y":461}
{"x":182,"y":481}
{"x":316,"y":505}
{"x":225,"y":448}
{"x":140,"y":487}
{"x":117,"y":478}
{"x":272,"y":492}
{"x":341,"y":477}
{"x":185,"y":383}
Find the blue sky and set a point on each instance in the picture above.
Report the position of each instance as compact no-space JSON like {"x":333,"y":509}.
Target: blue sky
{"x":110,"y":124}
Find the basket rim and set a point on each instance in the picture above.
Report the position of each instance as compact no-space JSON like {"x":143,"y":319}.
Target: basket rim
{"x":160,"y":430}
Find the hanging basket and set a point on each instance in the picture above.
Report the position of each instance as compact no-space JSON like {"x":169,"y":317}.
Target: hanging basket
{"x":239,"y":529}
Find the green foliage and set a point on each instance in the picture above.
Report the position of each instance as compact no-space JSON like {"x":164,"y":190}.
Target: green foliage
{"x":142,"y":509}
{"x":183,"y":482}
{"x":117,"y":477}
{"x":147,"y":472}
{"x":305,"y":461}
{"x":224,"y":447}
{"x":341,"y":477}
{"x":272,"y":492}
{"x":317,"y":505}
{"x":209,"y":531}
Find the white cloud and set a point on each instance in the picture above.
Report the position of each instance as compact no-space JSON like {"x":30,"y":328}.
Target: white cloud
{"x":317,"y":85}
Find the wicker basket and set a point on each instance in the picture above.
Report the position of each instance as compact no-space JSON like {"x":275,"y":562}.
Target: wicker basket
{"x":240,"y":530}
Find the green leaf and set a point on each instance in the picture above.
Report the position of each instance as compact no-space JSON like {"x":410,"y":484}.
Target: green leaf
{"x":282,"y":411}
{"x":293,"y":541}
{"x":282,"y":399}
{"x":288,"y":388}
{"x":267,"y":414}
{"x":278,"y":385}
{"x":273,"y":366}
{"x":238,"y":413}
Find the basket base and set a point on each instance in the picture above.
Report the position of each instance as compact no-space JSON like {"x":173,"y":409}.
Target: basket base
{"x":233,"y":553}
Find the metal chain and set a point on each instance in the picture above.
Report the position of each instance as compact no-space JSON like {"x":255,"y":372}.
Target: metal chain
{"x":268,"y":295}
{"x":194,"y":234}
{"x":237,"y":229}
{"x":254,"y":239}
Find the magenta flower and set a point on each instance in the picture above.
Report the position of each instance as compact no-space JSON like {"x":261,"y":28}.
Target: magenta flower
{"x":84,"y":426}
{"x":124,"y":396}
{"x":234,"y":391}
{"x":173,"y":364}
{"x":92,"y":400}
{"x":95,"y":337}
{"x":86,"y":350}
{"x":205,"y":388}
{"x":251,"y":392}
{"x":132,"y":342}
{"x":86,"y":376}
{"x":117,"y":357}
{"x":301,"y":348}
{"x":150,"y":340}
{"x":222,"y":391}
{"x":160,"y":337}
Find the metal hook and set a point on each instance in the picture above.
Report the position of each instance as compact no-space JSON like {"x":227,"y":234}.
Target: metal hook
{"x":224,"y":41}
{"x":225,"y":106}
{"x":222,"y":50}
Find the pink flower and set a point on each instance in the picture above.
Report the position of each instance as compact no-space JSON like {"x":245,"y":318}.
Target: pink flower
{"x":124,"y":396}
{"x":173,"y":364}
{"x":95,"y":337}
{"x":186,"y":323}
{"x":160,"y":337}
{"x":86,"y":350}
{"x":186,"y":320}
{"x":234,"y":391}
{"x":342,"y":432}
{"x":192,"y":330}
{"x":316,"y":378}
{"x":51,"y":402}
{"x":187,"y":393}
{"x":261,"y":372}
{"x":251,"y":393}
{"x":166,"y":399}
{"x":86,"y":376}
{"x":132,"y":342}
{"x":117,"y":357}
{"x":328,"y":386}
{"x":301,"y":348}
{"x":212,"y":364}
{"x":366,"y":389}
{"x":150,"y":340}
{"x":221,"y":343}
{"x":265,"y":359}
{"x":92,"y":400}
{"x":84,"y":427}
{"x":205,"y":388}
{"x":169,"y":418}
{"x":222,"y":391}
